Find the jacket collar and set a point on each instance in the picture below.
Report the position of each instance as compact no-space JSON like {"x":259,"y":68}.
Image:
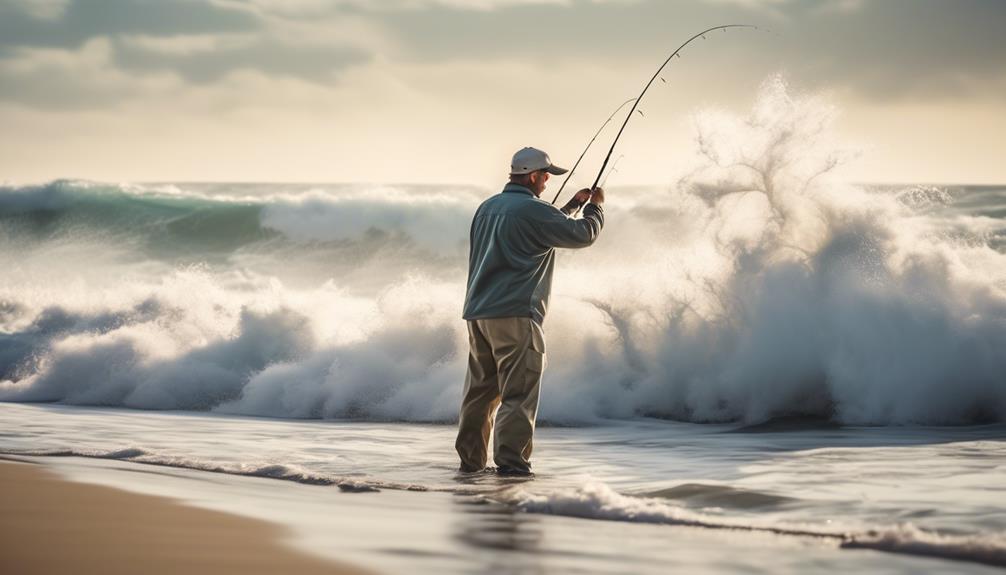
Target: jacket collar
{"x":510,"y":187}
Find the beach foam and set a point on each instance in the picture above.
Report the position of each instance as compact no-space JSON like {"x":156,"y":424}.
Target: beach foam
{"x":278,"y":471}
{"x":598,"y":501}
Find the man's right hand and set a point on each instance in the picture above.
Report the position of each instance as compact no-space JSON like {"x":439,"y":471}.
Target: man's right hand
{"x":598,"y":197}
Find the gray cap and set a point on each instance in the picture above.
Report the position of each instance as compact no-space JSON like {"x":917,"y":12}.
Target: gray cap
{"x":528,"y":160}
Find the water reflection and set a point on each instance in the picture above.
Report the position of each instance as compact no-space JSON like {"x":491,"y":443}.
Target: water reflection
{"x":499,"y":538}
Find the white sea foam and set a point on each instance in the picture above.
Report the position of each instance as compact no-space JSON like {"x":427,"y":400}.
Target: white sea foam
{"x":284,"y":472}
{"x":988,"y":548}
{"x":598,"y":501}
{"x":438,"y":221}
{"x":761,"y":285}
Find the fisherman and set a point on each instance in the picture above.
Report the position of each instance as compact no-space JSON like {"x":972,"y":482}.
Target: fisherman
{"x":512,"y":254}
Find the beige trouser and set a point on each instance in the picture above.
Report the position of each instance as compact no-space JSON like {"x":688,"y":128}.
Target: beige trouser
{"x":505,"y":363}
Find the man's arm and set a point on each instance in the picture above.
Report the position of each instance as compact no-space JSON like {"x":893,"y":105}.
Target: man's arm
{"x":555,"y":229}
{"x":576,"y":201}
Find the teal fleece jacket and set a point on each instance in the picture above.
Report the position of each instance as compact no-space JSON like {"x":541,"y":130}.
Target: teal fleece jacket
{"x":512,"y":252}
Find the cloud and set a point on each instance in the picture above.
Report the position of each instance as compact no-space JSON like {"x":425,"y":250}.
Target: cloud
{"x":38,"y":9}
{"x":315,"y":7}
{"x":284,"y":85}
{"x":211,"y":59}
{"x":82,"y":78}
{"x":186,"y":44}
{"x":898,"y":49}
{"x":902,"y":49}
{"x":103,"y":53}
{"x":82,"y":20}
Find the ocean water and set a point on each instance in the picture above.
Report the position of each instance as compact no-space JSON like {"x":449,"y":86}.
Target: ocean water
{"x":759,"y":356}
{"x":638,"y":495}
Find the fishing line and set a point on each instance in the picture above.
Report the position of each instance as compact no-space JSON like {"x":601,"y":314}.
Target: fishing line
{"x":629,"y":116}
{"x":596,"y":134}
{"x":613,"y":168}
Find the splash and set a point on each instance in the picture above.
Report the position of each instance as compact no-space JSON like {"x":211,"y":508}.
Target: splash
{"x":791,"y":292}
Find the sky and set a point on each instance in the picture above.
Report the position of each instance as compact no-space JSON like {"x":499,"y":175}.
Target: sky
{"x":444,"y":91}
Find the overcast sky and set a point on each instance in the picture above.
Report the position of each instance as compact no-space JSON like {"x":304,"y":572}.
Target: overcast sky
{"x":445,"y":90}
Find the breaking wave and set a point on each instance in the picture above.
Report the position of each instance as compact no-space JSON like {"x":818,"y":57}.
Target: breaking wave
{"x":761,"y":285}
{"x":168,"y":221}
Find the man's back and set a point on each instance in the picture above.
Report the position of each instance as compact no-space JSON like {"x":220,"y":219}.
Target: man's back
{"x":512,"y":256}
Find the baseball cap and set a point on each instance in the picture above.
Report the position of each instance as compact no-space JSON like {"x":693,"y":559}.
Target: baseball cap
{"x":528,"y":160}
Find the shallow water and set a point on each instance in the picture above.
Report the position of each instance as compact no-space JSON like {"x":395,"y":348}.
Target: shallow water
{"x":647,"y":483}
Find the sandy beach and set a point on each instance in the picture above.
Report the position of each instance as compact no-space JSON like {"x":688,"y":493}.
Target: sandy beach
{"x":50,"y":525}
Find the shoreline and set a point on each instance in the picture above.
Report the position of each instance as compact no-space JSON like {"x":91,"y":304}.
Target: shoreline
{"x":49,"y":524}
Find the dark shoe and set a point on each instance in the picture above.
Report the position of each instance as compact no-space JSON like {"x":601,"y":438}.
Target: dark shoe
{"x":466,"y":469}
{"x":507,"y":471}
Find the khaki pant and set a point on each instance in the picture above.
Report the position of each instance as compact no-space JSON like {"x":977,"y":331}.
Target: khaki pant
{"x":505,"y":363}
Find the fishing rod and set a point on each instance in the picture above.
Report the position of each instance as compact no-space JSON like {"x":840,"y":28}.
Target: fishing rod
{"x":611,"y":170}
{"x":614,"y":168}
{"x":676,"y":53}
{"x":598,"y":133}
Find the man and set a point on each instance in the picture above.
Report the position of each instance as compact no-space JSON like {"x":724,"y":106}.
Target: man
{"x":513,"y":239}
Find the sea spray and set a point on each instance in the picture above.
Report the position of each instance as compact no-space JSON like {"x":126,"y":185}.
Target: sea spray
{"x":407,"y":368}
{"x":803,"y":294}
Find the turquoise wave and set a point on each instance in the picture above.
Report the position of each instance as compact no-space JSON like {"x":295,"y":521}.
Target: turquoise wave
{"x":159,"y":223}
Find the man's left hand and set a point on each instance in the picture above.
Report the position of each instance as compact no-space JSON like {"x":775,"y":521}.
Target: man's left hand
{"x":576,"y":201}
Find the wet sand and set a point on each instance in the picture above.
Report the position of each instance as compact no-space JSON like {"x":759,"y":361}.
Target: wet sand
{"x":50,"y":525}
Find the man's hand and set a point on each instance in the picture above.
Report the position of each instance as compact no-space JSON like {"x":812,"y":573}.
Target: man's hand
{"x":576,"y":201}
{"x":581,"y":197}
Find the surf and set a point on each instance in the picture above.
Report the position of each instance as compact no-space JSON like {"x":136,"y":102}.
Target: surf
{"x":762,"y":285}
